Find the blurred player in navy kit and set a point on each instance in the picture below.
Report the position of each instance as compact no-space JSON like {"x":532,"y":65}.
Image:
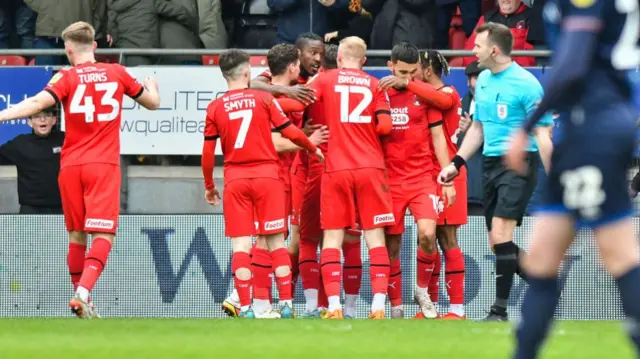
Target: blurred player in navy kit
{"x":36,"y":156}
{"x":587,"y":185}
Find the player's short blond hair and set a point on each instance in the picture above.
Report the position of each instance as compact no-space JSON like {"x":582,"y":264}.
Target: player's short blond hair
{"x":80,"y":33}
{"x":353,"y":47}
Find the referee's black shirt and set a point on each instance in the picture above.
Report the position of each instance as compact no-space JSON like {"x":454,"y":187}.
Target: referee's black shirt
{"x":37,"y":159}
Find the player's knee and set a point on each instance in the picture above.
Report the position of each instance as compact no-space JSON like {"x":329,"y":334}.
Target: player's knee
{"x":427,"y":241}
{"x":501,"y":231}
{"x":447,"y":238}
{"x":393,"y":246}
{"x":332,"y":238}
{"x":275,"y":241}
{"x":261,"y":243}
{"x":108,"y":236}
{"x":78,"y":237}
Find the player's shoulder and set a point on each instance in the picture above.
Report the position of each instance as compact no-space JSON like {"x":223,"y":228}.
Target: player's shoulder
{"x":484,"y":76}
{"x":450,"y":90}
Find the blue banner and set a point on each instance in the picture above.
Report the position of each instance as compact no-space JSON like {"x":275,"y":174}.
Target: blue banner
{"x":16,"y":84}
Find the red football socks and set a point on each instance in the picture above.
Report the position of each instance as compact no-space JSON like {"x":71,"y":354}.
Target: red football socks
{"x":454,"y":275}
{"x":280,"y":258}
{"x":379,"y":269}
{"x":261,"y":268}
{"x":242,"y":260}
{"x":75,"y":262}
{"x":331,"y":271}
{"x":426,"y":264}
{"x":323,"y":301}
{"x":434,"y":283}
{"x":308,"y":264}
{"x":94,"y":263}
{"x":295,"y":269}
{"x":395,"y":283}
{"x":352,"y":269}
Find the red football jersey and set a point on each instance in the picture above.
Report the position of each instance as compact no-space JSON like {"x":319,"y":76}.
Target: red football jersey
{"x":287,"y":158}
{"x":408,"y":149}
{"x":91,"y":95}
{"x":267,"y":73}
{"x":451,"y":126}
{"x":243,"y":120}
{"x":351,"y":100}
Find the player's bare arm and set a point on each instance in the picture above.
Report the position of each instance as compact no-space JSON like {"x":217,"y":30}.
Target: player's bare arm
{"x":470,"y":145}
{"x":542,"y":135}
{"x":150,"y":97}
{"x":319,"y":136}
{"x":28,"y":107}
{"x":442,"y":154}
{"x":211,"y":195}
{"x":301,"y":93}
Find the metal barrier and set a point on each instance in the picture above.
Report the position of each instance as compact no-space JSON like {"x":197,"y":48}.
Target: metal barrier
{"x":179,"y":266}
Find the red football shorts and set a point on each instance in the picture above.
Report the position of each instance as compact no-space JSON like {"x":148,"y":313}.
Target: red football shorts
{"x":457,"y":214}
{"x":90,"y":196}
{"x":298,"y":182}
{"x":254,"y":202}
{"x":349,"y":193}
{"x":421,"y":198}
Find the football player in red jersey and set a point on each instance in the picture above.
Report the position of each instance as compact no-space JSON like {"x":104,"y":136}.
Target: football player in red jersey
{"x":91,"y":94}
{"x":243,"y":119}
{"x":311,"y":230}
{"x":355,"y":181}
{"x":416,"y":144}
{"x":445,"y":98}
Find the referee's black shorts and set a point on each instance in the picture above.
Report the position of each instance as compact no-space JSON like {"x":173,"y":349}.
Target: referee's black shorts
{"x":507,"y":194}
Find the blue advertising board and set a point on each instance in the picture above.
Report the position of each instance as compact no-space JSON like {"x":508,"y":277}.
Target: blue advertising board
{"x":16,"y":84}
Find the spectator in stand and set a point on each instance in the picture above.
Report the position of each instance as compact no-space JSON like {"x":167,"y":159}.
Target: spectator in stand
{"x":350,"y":18}
{"x":299,"y":16}
{"x":16,"y":15}
{"x":53,"y":16}
{"x":133,"y":24}
{"x":211,"y":28}
{"x":470,"y":11}
{"x":475,"y":189}
{"x":178,"y":21}
{"x":412,"y":21}
{"x":517,"y":17}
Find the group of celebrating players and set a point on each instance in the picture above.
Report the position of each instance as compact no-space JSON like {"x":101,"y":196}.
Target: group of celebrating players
{"x":378,"y":145}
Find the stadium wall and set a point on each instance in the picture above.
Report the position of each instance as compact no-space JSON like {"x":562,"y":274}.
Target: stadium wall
{"x":179,"y":266}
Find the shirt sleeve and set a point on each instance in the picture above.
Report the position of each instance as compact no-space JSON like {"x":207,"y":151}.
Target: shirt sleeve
{"x":7,"y":153}
{"x":132,"y":87}
{"x":210,"y":129}
{"x":382,"y":102}
{"x":59,"y":86}
{"x":476,"y":109}
{"x":531,"y":98}
{"x":277,"y":117}
{"x":434,"y":117}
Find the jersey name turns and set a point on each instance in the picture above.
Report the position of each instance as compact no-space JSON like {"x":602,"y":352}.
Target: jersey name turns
{"x":245,"y":103}
{"x":93,"y":77}
{"x":354,"y":80}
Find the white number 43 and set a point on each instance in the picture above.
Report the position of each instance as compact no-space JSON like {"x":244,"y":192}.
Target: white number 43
{"x":84,"y":104}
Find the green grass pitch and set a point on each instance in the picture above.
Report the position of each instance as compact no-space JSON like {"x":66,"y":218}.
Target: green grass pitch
{"x":299,"y":339}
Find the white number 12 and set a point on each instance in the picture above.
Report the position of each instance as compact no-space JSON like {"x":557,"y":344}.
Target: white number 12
{"x":356,"y":115}
{"x":246,"y":116}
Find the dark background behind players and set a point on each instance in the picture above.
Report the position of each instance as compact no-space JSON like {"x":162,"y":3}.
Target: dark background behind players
{"x":36,"y":156}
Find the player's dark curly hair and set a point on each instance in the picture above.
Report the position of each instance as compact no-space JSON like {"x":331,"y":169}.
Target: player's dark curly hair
{"x":437,"y":62}
{"x":330,"y":60}
{"x":305,"y":38}
{"x":405,"y":52}
{"x":280,"y":57}
{"x":231,"y":62}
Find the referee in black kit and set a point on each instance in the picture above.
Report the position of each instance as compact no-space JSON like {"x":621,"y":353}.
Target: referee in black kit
{"x":37,"y":158}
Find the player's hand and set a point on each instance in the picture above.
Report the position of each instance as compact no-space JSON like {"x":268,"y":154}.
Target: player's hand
{"x":447,"y":175}
{"x":150,"y":83}
{"x":449,"y":195}
{"x":300,"y":93}
{"x":632,"y":192}
{"x":212,"y":196}
{"x":392,"y":81}
{"x":515,"y":157}
{"x":310,"y":127}
{"x":319,"y":154}
{"x":330,"y":36}
{"x":319,"y":136}
{"x":465,"y":122}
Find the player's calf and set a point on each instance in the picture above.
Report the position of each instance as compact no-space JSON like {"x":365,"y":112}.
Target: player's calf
{"x":241,"y":267}
{"x":282,"y":270}
{"x":331,"y":268}
{"x":379,"y":267}
{"x":309,"y":273}
{"x":76,"y":256}
{"x":352,"y":273}
{"x":294,"y":253}
{"x":426,"y":258}
{"x":93,"y":266}
{"x":395,"y":276}
{"x":262,"y":273}
{"x":454,"y":270}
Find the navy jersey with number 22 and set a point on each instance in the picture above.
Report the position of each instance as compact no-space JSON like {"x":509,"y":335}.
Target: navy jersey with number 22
{"x":596,"y":44}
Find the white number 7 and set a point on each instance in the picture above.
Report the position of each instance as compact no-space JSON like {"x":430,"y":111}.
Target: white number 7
{"x":246,"y":116}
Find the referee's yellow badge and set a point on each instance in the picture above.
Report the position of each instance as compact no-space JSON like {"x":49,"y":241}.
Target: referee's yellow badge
{"x":503,"y":113}
{"x":583,"y":4}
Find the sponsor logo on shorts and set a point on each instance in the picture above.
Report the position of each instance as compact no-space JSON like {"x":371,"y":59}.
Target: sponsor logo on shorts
{"x":98,"y":223}
{"x":273,"y":225}
{"x":384,"y":218}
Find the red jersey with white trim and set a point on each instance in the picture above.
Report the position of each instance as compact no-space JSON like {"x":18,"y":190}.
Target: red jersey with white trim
{"x":267,"y":73}
{"x":351,"y":99}
{"x":451,"y":123}
{"x":408,"y":149}
{"x":243,"y":119}
{"x":91,"y":95}
{"x":287,"y":158}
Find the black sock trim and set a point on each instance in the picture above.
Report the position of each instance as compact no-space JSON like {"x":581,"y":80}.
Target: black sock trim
{"x":97,"y":260}
{"x":76,"y":273}
{"x":455,"y":272}
{"x":259,"y":265}
{"x":352,"y":267}
{"x":395,"y":274}
{"x":378,"y":265}
{"x":425,"y":262}
{"x":307,"y":261}
{"x":334,"y":262}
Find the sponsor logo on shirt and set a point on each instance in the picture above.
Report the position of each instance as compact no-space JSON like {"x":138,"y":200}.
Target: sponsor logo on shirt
{"x":55,"y":78}
{"x":503,"y":113}
{"x":273,"y":225}
{"x":383,"y":218}
{"x":400,"y":116}
{"x":98,"y":223}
